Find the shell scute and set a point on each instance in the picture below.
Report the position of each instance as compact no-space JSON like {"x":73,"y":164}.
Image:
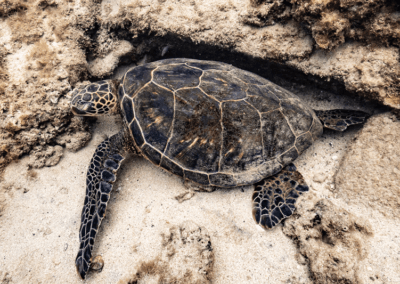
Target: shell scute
{"x":303,"y":142}
{"x":127,"y":109}
{"x":289,"y":156}
{"x":277,"y":135}
{"x":248,"y":77}
{"x":269,"y":167}
{"x":221,"y":86}
{"x":175,"y":77}
{"x":151,"y":153}
{"x":209,"y":65}
{"x":226,"y":180}
{"x":316,"y":129}
{"x":136,"y":133}
{"x":277,"y":91}
{"x":136,"y":78}
{"x":243,"y":147}
{"x":171,"y":166}
{"x":197,"y":177}
{"x":154,"y":109}
{"x":298,"y":115}
{"x":261,"y":101}
{"x":196,"y":139}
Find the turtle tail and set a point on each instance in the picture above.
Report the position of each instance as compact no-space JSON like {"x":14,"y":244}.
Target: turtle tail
{"x":99,"y":181}
{"x":340,"y":119}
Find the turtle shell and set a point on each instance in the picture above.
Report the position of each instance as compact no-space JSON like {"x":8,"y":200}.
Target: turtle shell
{"x":213,"y":123}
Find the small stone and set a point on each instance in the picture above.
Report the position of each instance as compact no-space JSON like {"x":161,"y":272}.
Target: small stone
{"x":56,"y":261}
{"x":54,"y":96}
{"x":54,"y":100}
{"x":48,"y":231}
{"x":62,"y":74}
{"x":319,"y":177}
{"x":97,"y":263}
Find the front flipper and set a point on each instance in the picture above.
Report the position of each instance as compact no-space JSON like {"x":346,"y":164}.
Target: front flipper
{"x":340,"y":119}
{"x":99,"y":180}
{"x":274,"y":197}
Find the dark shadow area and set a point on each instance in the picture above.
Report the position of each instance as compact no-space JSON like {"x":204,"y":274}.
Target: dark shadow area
{"x":178,"y":47}
{"x":155,"y":48}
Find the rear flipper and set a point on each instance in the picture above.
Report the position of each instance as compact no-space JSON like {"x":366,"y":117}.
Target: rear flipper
{"x":274,"y":197}
{"x":99,"y":180}
{"x":339,"y":119}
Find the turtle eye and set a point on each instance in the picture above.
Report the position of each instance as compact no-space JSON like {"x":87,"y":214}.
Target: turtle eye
{"x":87,"y":97}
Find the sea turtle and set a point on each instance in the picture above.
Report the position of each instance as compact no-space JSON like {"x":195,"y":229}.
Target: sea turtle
{"x":207,"y":122}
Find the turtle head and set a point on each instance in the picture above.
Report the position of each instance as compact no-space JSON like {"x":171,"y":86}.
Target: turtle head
{"x":95,"y":98}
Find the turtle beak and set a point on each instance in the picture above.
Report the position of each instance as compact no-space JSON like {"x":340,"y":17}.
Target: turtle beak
{"x":83,"y":109}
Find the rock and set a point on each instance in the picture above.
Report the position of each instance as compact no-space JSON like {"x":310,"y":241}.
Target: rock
{"x":101,"y":67}
{"x":187,"y":257}
{"x":331,"y":240}
{"x":370,"y":171}
{"x":45,"y":156}
{"x":74,"y":141}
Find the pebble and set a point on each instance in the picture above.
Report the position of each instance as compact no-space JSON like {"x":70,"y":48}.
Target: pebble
{"x":319,"y":177}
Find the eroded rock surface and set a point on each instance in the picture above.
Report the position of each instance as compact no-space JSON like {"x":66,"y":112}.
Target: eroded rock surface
{"x":187,"y":257}
{"x":331,"y":22}
{"x":42,"y":55}
{"x":331,"y":240}
{"x":370,"y":172}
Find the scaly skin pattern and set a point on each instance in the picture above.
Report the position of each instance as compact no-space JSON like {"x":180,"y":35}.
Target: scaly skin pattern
{"x":340,"y":119}
{"x":274,"y":197}
{"x":94,"y":99}
{"x":99,"y":181}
